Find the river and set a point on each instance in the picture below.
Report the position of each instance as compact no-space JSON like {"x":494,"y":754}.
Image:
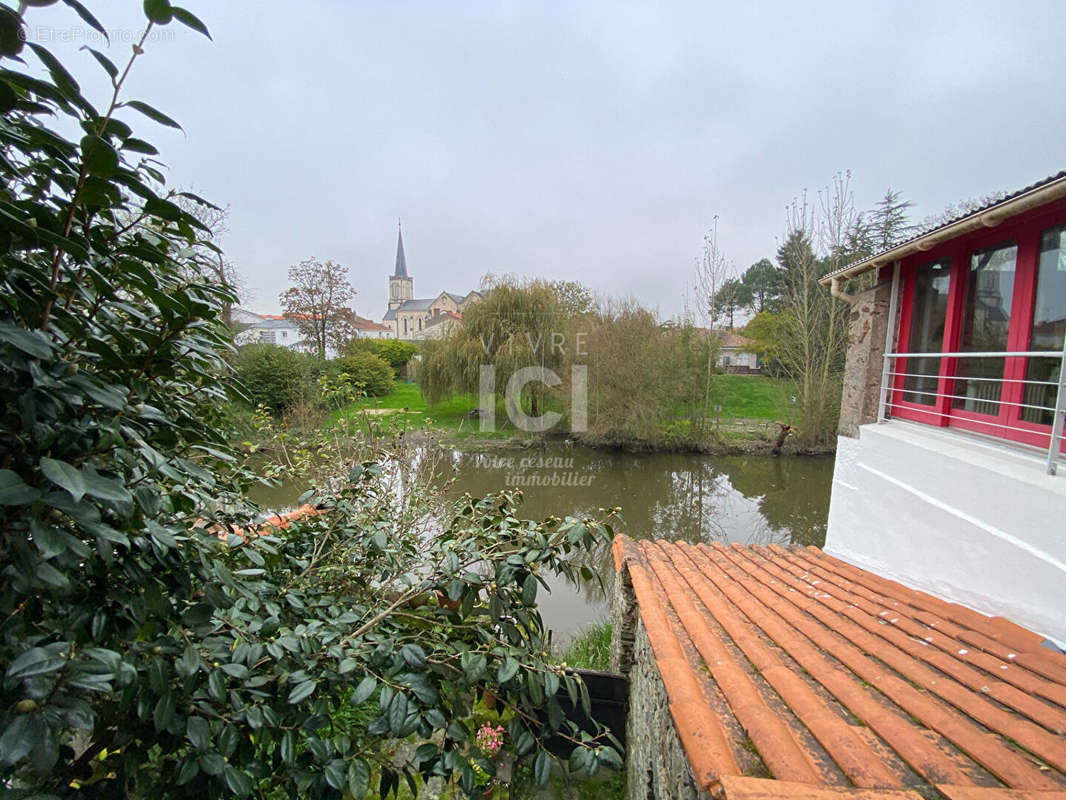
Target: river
{"x":698,"y":498}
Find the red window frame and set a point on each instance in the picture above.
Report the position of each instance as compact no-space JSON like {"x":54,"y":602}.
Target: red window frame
{"x":1023,"y":230}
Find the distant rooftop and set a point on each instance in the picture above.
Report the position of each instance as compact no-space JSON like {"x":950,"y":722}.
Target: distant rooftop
{"x":364,"y":324}
{"x":837,"y":683}
{"x":733,"y":340}
{"x":444,"y":316}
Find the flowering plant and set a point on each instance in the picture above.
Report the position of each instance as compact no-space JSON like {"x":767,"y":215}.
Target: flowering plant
{"x":490,"y":738}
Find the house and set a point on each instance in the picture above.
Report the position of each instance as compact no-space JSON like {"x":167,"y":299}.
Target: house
{"x":255,"y":328}
{"x":917,"y":654}
{"x":441,"y":325}
{"x":736,"y":354}
{"x":407,"y":317}
{"x":280,"y":330}
{"x":363,"y":328}
{"x":951,"y":419}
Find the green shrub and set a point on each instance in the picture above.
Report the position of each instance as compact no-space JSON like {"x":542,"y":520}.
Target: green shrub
{"x":372,"y":373}
{"x":273,"y":376}
{"x":394,"y":351}
{"x":143,"y":656}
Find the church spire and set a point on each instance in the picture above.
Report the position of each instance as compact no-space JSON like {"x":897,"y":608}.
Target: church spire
{"x":401,"y":259}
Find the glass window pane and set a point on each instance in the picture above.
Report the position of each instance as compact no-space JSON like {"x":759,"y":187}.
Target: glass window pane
{"x":928,"y":312}
{"x":985,"y":323}
{"x":1048,"y":326}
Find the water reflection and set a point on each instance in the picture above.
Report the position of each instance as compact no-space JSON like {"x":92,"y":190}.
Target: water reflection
{"x":746,"y":499}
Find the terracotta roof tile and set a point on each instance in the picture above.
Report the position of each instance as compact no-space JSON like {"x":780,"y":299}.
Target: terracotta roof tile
{"x":842,"y":680}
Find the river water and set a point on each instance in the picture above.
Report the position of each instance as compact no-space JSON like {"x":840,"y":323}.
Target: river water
{"x":697,"y":498}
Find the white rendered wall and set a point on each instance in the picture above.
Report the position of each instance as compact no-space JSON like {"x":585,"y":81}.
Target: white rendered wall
{"x":968,"y":521}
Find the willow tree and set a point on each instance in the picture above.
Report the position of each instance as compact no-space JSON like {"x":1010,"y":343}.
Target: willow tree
{"x":517,"y":324}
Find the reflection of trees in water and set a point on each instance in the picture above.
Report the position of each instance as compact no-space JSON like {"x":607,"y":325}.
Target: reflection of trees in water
{"x":747,"y":499}
{"x":792,"y":493}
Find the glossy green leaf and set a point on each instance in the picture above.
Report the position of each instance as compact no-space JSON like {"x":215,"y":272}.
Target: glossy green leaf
{"x":358,"y":778}
{"x":12,"y":36}
{"x":64,"y":476}
{"x":189,"y":20}
{"x":336,"y":774}
{"x":414,"y":655}
{"x":158,"y":11}
{"x":14,"y":491}
{"x":105,"y":62}
{"x":542,"y":768}
{"x":301,"y":691}
{"x":63,"y":80}
{"x":363,"y":690}
{"x":87,"y":17}
{"x":212,"y":763}
{"x":35,"y":661}
{"x":507,"y":670}
{"x":33,"y":343}
{"x":22,"y":734}
{"x":164,"y":711}
{"x":152,"y":113}
{"x":97,"y":485}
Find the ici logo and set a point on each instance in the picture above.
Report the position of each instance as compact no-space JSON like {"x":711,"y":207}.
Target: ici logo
{"x":512,"y":397}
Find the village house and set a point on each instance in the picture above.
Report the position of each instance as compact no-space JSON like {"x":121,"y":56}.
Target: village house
{"x":363,"y":328}
{"x":255,"y":328}
{"x":280,"y":330}
{"x":918,"y":654}
{"x":736,"y":354}
{"x":409,"y":318}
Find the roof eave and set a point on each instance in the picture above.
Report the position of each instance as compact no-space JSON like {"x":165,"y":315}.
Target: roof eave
{"x":985,"y":218}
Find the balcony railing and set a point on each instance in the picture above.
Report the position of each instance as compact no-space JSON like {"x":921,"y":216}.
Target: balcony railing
{"x":970,"y":392}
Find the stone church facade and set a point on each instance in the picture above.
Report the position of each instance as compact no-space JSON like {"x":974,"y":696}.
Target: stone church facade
{"x":414,"y":319}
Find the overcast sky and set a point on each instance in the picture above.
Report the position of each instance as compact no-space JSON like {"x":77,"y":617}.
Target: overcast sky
{"x":593,"y":141}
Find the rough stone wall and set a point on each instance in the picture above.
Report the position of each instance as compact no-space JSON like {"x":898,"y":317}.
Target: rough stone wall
{"x":865,"y":359}
{"x":656,"y":765}
{"x":624,"y":614}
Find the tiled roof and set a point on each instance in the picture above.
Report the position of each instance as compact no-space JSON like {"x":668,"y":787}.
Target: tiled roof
{"x":364,"y":324}
{"x":829,"y":678}
{"x":444,"y":316}
{"x":912,"y":243}
{"x":271,"y":322}
{"x":730,"y":339}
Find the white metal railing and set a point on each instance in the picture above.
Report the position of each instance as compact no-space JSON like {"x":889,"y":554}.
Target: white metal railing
{"x":1041,"y":402}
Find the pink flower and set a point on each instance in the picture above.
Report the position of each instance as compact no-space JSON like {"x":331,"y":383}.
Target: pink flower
{"x":489,"y":738}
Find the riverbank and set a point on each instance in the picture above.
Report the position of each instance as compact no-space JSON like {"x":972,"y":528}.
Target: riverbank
{"x":752,"y":410}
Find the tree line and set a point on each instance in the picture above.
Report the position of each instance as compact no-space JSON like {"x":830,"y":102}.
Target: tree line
{"x":798,"y":329}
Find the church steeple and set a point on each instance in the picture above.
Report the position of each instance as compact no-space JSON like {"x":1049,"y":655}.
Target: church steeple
{"x":401,"y":285}
{"x":401,"y":259}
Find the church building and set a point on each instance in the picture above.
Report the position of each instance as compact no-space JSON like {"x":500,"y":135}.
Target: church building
{"x":413,"y":319}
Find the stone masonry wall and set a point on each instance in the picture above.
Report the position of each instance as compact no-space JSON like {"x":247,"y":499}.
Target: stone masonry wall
{"x":865,"y":359}
{"x":656,"y":765}
{"x":624,"y":615}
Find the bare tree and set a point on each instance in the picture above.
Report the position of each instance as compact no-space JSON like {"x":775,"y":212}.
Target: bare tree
{"x":815,"y":329}
{"x":319,"y":303}
{"x":713,"y":269}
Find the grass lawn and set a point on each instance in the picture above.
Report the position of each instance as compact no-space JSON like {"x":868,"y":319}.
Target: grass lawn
{"x":753,"y":397}
{"x":741,"y":396}
{"x":405,"y":405}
